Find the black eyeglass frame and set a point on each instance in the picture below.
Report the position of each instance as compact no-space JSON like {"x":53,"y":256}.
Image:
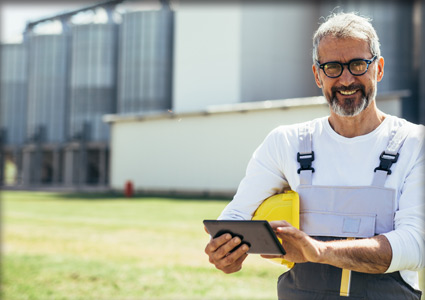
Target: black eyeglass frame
{"x":368,"y":62}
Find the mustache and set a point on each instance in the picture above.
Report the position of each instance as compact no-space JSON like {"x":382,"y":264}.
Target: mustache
{"x":360,"y":87}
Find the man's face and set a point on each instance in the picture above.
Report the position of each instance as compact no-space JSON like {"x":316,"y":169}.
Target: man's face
{"x":348,"y":95}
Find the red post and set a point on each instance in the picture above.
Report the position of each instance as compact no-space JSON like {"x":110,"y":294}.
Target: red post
{"x":128,"y":189}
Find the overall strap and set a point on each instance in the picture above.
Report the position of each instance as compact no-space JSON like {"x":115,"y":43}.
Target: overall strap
{"x":390,"y":155}
{"x":305,"y":156}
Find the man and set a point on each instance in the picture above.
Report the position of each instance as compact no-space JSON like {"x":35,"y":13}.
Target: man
{"x":359,"y":175}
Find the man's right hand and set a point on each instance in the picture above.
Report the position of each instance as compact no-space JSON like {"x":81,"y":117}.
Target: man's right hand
{"x":218,"y":251}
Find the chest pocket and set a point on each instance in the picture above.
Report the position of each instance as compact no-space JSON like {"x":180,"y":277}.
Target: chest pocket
{"x":346,"y":211}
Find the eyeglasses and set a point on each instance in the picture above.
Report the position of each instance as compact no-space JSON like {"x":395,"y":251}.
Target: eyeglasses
{"x":357,"y":67}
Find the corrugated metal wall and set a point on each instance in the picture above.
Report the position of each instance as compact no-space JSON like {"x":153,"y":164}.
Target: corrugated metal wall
{"x":47,"y":84}
{"x":93,"y":79}
{"x":145,"y":70}
{"x":13,"y":88}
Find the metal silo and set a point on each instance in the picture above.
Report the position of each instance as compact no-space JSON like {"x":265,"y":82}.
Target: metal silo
{"x":13,"y":107}
{"x":47,"y":84}
{"x":47,"y":108}
{"x":92,"y":94}
{"x":145,"y":61}
{"x":93,"y":79}
{"x":13,"y":93}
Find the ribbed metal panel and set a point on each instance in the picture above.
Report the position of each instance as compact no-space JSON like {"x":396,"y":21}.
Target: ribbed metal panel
{"x":93,"y":77}
{"x":145,"y":61}
{"x":47,"y":88}
{"x":13,"y":87}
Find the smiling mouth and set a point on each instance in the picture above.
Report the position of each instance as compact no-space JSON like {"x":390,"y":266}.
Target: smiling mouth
{"x":348,"y":93}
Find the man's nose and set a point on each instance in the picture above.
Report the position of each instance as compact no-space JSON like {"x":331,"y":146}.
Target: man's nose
{"x":346,"y":77}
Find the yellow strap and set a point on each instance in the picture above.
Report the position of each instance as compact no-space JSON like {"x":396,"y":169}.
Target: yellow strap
{"x":345,"y":283}
{"x":345,"y":280}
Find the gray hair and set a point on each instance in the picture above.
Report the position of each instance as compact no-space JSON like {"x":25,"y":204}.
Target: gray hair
{"x":347,"y":25}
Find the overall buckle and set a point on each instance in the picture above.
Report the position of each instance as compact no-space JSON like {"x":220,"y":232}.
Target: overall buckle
{"x":305,"y":161}
{"x":386,"y":162}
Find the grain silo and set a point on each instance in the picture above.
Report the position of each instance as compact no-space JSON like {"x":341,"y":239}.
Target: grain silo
{"x":47,"y":88}
{"x":92,"y":94}
{"x":47,"y":107}
{"x":92,"y":84}
{"x":145,"y":61}
{"x":13,"y":97}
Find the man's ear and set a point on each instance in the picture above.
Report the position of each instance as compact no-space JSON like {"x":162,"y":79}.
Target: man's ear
{"x":380,"y":63}
{"x":316,"y":75}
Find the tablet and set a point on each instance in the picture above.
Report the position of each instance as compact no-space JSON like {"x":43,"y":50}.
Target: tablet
{"x":257,"y":234}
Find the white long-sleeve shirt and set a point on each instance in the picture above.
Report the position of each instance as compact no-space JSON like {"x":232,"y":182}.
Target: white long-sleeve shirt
{"x":341,"y":161}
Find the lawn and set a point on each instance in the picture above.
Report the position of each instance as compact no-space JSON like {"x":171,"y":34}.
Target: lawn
{"x":62,"y":246}
{"x":84,"y":247}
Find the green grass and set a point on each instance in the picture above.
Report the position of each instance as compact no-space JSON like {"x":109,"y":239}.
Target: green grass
{"x":83,"y":247}
{"x":61,"y":246}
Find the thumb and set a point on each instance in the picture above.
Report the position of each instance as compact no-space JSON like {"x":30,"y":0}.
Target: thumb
{"x":278,"y":224}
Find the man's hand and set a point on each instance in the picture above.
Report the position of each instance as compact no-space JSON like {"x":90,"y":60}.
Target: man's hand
{"x":298,"y":245}
{"x":218,"y":251}
{"x":367,"y":255}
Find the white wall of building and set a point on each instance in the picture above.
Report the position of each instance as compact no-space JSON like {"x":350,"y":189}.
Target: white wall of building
{"x":240,"y":52}
{"x":207,"y":55}
{"x":203,"y":152}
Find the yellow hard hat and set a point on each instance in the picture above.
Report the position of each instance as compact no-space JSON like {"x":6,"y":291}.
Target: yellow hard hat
{"x":285,"y":206}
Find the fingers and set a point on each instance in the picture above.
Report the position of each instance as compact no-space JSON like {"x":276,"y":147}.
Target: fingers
{"x":232,"y":262}
{"x":284,"y":230}
{"x":277,"y":224}
{"x":224,"y":249}
{"x":288,"y":232}
{"x":218,"y":250}
{"x":216,"y":243}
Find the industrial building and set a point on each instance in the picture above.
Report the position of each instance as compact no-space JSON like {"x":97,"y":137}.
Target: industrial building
{"x":55,"y":89}
{"x":148,"y":93}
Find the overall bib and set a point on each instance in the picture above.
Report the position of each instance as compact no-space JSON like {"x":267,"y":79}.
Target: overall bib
{"x":341,"y":212}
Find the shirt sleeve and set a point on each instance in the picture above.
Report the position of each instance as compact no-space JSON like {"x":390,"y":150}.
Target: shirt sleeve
{"x":408,"y":239}
{"x":263,"y":178}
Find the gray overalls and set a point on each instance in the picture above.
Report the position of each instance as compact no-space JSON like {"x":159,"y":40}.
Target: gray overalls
{"x":337,"y":212}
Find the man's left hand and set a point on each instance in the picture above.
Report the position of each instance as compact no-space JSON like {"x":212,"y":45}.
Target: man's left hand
{"x":298,"y":245}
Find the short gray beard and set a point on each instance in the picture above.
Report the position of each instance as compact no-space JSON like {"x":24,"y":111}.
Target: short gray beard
{"x":351,"y":111}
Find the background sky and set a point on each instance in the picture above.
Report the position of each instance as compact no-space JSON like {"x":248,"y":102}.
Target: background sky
{"x":14,"y":15}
